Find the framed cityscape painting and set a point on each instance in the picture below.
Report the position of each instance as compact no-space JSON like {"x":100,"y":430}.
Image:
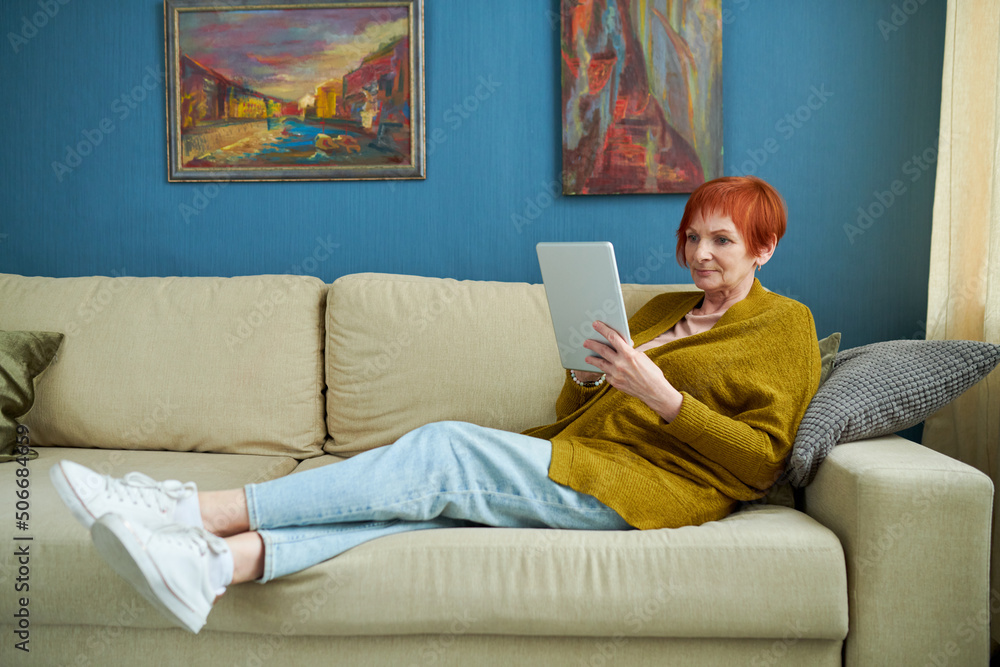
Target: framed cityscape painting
{"x":641,"y":95}
{"x":277,"y":90}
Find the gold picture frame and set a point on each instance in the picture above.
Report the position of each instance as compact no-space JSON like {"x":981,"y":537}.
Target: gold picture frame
{"x":294,"y":90}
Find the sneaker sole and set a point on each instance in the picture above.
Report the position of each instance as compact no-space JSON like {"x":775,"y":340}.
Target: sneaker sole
{"x":127,"y":556}
{"x":69,"y":497}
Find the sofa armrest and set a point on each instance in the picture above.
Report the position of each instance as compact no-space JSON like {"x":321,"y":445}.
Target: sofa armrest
{"x":915,"y":528}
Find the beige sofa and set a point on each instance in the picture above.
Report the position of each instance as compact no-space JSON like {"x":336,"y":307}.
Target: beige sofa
{"x":226,"y":381}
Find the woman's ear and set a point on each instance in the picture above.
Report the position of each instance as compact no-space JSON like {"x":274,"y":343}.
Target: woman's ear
{"x":767,"y":252}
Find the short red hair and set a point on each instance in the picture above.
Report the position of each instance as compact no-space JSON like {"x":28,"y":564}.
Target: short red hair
{"x":756,"y":208}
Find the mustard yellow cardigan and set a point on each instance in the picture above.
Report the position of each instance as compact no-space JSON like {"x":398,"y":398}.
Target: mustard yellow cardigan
{"x":746,"y":383}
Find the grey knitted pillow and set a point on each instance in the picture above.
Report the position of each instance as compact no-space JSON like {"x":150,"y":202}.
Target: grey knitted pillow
{"x":882,"y":388}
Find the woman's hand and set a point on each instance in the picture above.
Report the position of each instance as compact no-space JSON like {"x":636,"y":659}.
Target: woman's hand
{"x":633,"y":372}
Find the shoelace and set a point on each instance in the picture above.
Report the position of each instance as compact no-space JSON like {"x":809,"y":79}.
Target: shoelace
{"x":193,"y":537}
{"x":196,"y":539}
{"x":138,"y":487}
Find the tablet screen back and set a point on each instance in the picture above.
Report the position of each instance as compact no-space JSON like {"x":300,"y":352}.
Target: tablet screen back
{"x":581,"y":285}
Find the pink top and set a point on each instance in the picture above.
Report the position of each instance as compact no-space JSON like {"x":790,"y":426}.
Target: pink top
{"x":690,"y":325}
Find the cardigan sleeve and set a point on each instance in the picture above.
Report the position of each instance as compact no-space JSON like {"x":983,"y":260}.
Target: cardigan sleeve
{"x":753,"y":455}
{"x":754,"y":442}
{"x":572,"y":397}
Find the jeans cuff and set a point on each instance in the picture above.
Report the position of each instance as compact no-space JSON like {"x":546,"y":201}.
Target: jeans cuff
{"x":268,"y":573}
{"x":252,"y":512}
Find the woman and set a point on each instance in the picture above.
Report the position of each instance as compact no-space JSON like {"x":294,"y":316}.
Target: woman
{"x":699,"y":415}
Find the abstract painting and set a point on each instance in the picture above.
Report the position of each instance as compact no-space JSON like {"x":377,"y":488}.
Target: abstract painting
{"x":641,"y":95}
{"x":265,"y":90}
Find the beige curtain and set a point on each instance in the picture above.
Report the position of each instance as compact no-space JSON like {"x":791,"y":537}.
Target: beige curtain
{"x":964,"y":287}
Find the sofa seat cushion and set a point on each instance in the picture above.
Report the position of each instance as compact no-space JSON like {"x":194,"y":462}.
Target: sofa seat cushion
{"x":769,"y":572}
{"x":765,"y":572}
{"x":403,"y":351}
{"x":229,"y":365}
{"x":68,"y":581}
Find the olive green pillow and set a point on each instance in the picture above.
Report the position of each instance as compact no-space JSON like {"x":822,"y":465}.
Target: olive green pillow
{"x":23,"y":356}
{"x":828,"y":348}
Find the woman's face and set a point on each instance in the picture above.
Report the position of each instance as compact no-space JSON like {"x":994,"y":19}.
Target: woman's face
{"x":717,"y":255}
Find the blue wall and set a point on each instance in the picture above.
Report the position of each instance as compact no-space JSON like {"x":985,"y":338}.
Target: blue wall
{"x":871,"y":77}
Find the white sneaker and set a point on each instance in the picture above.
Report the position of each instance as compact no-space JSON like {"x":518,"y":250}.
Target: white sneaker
{"x":137,"y":497}
{"x":168,"y":565}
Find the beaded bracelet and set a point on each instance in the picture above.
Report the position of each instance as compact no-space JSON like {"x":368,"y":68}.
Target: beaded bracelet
{"x":588,"y":385}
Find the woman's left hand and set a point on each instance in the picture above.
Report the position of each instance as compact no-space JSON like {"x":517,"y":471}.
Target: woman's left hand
{"x":633,"y":372}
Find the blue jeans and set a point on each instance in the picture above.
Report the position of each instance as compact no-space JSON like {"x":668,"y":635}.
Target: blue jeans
{"x":441,"y":475}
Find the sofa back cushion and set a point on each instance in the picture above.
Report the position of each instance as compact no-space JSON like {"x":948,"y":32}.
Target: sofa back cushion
{"x":403,"y":351}
{"x":228,"y":365}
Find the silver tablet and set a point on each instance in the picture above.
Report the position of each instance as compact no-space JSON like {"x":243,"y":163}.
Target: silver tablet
{"x":581,"y":285}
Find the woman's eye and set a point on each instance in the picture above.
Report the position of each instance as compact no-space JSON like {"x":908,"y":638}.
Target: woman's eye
{"x":723,"y":240}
